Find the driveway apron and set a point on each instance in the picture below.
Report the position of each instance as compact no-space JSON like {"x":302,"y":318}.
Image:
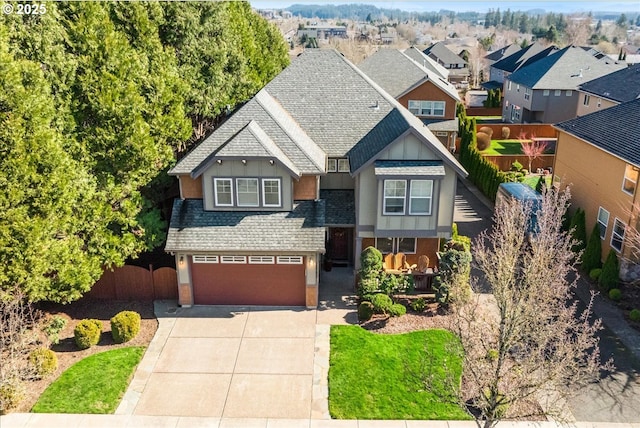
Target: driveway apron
{"x":231,"y":362}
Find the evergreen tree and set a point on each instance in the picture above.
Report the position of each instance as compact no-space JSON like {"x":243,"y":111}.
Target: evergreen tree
{"x":610,"y":275}
{"x":591,"y":259}
{"x":578,"y":230}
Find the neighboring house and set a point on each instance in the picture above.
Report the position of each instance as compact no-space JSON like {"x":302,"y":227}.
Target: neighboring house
{"x":458,"y":67}
{"x":320,"y":160}
{"x":323,"y":32}
{"x":498,"y":54}
{"x":598,"y":155}
{"x":423,"y":92}
{"x":389,"y":35}
{"x":609,"y":90}
{"x":418,"y":56}
{"x":507,"y":65}
{"x":546,"y":91}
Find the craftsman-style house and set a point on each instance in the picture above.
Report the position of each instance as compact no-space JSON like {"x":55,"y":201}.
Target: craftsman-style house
{"x":322,"y":162}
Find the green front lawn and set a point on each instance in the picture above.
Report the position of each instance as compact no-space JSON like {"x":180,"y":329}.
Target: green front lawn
{"x":93,"y":385}
{"x":532,"y":181}
{"x":504,"y":147}
{"x":373,"y":376}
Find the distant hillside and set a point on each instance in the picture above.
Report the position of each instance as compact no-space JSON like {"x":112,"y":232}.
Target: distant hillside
{"x":367,"y":12}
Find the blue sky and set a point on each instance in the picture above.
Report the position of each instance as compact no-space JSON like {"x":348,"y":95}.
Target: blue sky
{"x":567,"y":6}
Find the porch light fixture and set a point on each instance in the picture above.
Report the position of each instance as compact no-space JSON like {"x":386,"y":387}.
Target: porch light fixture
{"x":311,"y":261}
{"x":271,"y":161}
{"x":181,"y":260}
{"x":244,"y":161}
{"x":219,"y":161}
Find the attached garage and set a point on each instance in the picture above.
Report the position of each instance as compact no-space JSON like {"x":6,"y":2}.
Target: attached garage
{"x":248,"y":280}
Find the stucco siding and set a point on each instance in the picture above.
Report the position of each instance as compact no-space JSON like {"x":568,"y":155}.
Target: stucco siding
{"x":593,"y":104}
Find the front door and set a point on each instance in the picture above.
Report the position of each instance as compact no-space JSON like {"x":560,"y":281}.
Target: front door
{"x":339,"y":243}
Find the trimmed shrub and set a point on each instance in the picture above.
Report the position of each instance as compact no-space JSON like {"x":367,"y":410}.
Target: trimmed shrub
{"x":54,"y":327}
{"x":486,"y":130}
{"x":419,"y":305}
{"x":541,"y":185}
{"x":634,"y":315}
{"x":610,"y":272}
{"x":516,"y":166}
{"x":397,"y":310}
{"x":615,"y":294}
{"x":381,"y":303}
{"x":506,"y":131}
{"x":125,"y":326}
{"x":579,"y":230}
{"x":365,"y":311}
{"x":370,"y":262}
{"x":12,"y":392}
{"x":483,"y":141}
{"x":87,"y":333}
{"x":44,"y":360}
{"x":594,"y":274}
{"x":593,"y":252}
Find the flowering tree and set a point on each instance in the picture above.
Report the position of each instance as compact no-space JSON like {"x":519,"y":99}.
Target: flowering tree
{"x":532,"y":148}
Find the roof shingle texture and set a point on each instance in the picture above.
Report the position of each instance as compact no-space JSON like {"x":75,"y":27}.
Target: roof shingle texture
{"x":444,"y":54}
{"x":524,"y":57}
{"x":619,"y":86}
{"x":566,"y":69}
{"x":615,"y":130}
{"x":418,"y":56}
{"x":194,"y":229}
{"x":409,"y":168}
{"x":396,"y":73}
{"x":340,"y":207}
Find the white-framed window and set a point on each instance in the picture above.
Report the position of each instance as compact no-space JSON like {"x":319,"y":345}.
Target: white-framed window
{"x":586,"y":99}
{"x":569,"y":93}
{"x":396,"y":245}
{"x":289,"y":260}
{"x":545,"y":93}
{"x":509,"y":85}
{"x":427,"y":108}
{"x":630,"y":179}
{"x":617,"y":234}
{"x":395,"y":194}
{"x":261,"y":260}
{"x":343,"y":165}
{"x":441,"y":133}
{"x":557,"y":92}
{"x":599,"y":103}
{"x":271,"y":192}
{"x":233,"y":260}
{"x":603,"y":221}
{"x":247,"y":192}
{"x":223,"y":192}
{"x":332,"y":165}
{"x":527,"y":93}
{"x":518,"y":87}
{"x":420,"y":197}
{"x":201,"y":258}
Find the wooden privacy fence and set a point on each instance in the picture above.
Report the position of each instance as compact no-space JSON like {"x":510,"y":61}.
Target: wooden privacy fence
{"x":528,"y":129}
{"x":504,"y":162}
{"x":136,"y":283}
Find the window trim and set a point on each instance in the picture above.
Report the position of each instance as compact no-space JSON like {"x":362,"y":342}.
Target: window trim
{"x":619,"y":237}
{"x":603,"y":226}
{"x":429,"y":198}
{"x":289,"y":260}
{"x":569,"y":93}
{"x":527,"y":93}
{"x":341,"y":165}
{"x":415,"y":245}
{"x":395,"y":244}
{"x":332,"y":165}
{"x":586,"y":100}
{"x":509,"y":86}
{"x":557,"y":92}
{"x":257,"y":204}
{"x":264,"y":195}
{"x":233,"y":260}
{"x":626,"y":179}
{"x":262,"y":260}
{"x":385,"y":197}
{"x":215,"y":191}
{"x":203,"y":258}
{"x":417,"y":107}
{"x":545,"y":93}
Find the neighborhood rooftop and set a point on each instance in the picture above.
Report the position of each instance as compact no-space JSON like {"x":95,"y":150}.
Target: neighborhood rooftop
{"x":524,"y":57}
{"x":619,"y":86}
{"x":615,"y":130}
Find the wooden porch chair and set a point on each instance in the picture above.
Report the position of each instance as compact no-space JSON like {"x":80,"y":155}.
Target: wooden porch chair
{"x":387,"y":263}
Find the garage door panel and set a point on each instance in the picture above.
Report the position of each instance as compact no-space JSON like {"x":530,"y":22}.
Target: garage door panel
{"x":248,"y":284}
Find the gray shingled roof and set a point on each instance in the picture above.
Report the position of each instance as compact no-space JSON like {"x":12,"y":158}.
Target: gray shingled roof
{"x":442,"y":125}
{"x":397,"y":73}
{"x":293,"y":142}
{"x":524,"y":57}
{"x":503,"y":52}
{"x":194,"y":229}
{"x":614,"y":130}
{"x":566,"y":69}
{"x":340,"y":207}
{"x":620,"y":86}
{"x":444,"y":54}
{"x":418,"y":56}
{"x":409,"y":168}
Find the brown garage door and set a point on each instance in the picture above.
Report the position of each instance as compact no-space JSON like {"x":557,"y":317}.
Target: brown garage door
{"x":248,"y":284}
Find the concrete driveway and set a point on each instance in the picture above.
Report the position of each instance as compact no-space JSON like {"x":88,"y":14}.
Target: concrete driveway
{"x":232,"y":362}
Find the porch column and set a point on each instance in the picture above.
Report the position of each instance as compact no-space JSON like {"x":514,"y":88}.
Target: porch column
{"x":185,"y":287}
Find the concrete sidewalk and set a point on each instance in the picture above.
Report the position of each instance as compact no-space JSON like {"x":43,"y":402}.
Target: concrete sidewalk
{"x":32,"y":420}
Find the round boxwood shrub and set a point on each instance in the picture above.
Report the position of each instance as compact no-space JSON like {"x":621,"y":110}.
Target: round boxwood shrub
{"x":486,"y":130}
{"x":419,"y":305}
{"x":87,"y":333}
{"x":365,"y":311}
{"x":12,"y":392}
{"x":381,"y":303}
{"x":615,"y":294}
{"x":505,"y":132}
{"x":634,"y":315}
{"x":594,"y":274}
{"x":125,"y":326}
{"x":483,"y":141}
{"x":44,"y":360}
{"x":397,"y":310}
